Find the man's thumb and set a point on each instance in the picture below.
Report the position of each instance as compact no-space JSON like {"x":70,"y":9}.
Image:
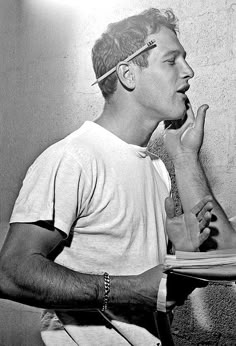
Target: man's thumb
{"x":201,"y":115}
{"x":170,"y":207}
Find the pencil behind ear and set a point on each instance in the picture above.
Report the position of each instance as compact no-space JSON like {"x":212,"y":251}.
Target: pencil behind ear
{"x":126,"y":75}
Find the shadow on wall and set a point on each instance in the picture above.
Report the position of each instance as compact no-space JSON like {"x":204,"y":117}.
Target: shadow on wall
{"x":207,"y":317}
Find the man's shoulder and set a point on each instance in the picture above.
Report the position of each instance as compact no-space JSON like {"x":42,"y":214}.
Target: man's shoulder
{"x":73,"y":144}
{"x":84,"y":146}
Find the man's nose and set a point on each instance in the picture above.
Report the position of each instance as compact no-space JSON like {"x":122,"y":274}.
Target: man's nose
{"x":187,"y":71}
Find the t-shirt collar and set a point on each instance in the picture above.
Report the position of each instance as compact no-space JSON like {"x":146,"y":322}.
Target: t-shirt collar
{"x":138,"y":150}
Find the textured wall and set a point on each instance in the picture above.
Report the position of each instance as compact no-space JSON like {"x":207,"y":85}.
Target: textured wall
{"x":45,"y":93}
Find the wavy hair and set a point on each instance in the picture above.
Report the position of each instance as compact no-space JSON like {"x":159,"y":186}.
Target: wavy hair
{"x":123,"y":38}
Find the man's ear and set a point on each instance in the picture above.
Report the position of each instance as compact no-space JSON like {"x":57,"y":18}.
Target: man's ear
{"x":126,"y":75}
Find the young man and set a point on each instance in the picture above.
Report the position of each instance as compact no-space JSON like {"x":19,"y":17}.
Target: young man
{"x":95,"y":201}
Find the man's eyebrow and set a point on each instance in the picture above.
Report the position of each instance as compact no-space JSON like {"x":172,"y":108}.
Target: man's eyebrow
{"x":175,"y":52}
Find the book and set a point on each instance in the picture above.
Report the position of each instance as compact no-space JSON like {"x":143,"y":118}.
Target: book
{"x":214,"y":265}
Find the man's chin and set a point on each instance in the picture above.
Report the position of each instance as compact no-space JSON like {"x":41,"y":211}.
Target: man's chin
{"x":181,"y":110}
{"x":183,"y":113}
{"x":177,"y":121}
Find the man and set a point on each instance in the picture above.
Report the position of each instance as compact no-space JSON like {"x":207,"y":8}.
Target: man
{"x":95,"y":200}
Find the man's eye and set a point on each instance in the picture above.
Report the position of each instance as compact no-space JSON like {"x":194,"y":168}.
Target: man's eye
{"x":171,"y":61}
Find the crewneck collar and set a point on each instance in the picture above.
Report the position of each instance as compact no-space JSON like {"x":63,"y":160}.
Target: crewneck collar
{"x":138,"y":150}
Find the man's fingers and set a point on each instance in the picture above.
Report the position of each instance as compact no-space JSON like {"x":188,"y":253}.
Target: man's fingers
{"x":189,"y":121}
{"x":170,"y":305}
{"x":204,"y":235}
{"x":200,"y":205}
{"x":200,"y":118}
{"x":204,"y":211}
{"x":205,"y":221}
{"x":170,"y":207}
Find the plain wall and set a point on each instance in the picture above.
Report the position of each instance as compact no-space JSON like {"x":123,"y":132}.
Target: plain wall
{"x":45,"y":92}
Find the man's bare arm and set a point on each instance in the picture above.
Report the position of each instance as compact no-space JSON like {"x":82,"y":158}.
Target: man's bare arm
{"x":187,"y":232}
{"x":29,"y":276}
{"x":183,"y":146}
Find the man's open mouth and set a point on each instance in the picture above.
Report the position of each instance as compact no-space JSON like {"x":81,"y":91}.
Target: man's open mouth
{"x":183,"y":89}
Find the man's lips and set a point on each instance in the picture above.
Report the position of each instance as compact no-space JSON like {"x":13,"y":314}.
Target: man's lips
{"x":183,"y":88}
{"x":184,"y":96}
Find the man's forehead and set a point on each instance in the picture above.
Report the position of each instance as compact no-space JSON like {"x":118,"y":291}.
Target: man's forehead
{"x":167,"y":42}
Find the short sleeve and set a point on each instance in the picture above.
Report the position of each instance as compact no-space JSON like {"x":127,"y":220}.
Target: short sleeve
{"x":163,"y":173}
{"x":53,"y":191}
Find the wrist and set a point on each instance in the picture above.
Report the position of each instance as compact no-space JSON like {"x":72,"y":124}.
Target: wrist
{"x":107,"y":288}
{"x":122,"y":291}
{"x":185,"y":159}
{"x":228,"y":239}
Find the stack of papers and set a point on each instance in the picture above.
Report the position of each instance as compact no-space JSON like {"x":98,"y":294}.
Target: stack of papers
{"x":218,"y":264}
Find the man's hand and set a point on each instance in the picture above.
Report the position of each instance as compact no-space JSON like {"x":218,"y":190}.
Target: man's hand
{"x":186,"y":140}
{"x":148,"y":286}
{"x":188,"y":231}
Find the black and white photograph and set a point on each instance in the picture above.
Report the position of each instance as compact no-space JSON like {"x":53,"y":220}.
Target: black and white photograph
{"x":118,"y":173}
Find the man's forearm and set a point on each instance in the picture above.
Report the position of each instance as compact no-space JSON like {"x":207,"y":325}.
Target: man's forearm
{"x":193,"y":186}
{"x":40,"y":282}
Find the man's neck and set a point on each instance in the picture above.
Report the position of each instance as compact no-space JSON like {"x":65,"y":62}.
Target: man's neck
{"x":126,"y":123}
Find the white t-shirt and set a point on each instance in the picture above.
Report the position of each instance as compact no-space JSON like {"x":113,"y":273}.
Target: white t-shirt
{"x":108,"y":197}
